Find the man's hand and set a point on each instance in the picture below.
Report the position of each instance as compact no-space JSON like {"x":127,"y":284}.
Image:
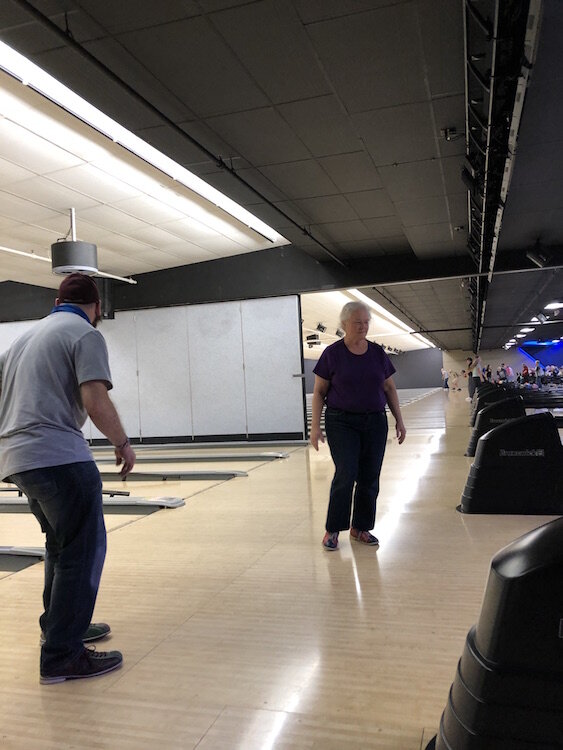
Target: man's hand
{"x":125,"y":457}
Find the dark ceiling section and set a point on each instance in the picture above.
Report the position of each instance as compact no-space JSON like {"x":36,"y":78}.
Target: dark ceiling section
{"x":341,"y":123}
{"x":446,"y":309}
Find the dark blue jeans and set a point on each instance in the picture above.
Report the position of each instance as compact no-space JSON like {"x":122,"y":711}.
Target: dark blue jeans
{"x":357,"y":445}
{"x":67,"y":502}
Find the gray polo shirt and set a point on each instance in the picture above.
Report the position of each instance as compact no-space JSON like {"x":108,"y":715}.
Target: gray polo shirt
{"x":41,"y":411}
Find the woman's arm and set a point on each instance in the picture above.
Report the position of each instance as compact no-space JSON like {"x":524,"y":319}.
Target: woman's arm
{"x":319,"y":395}
{"x":393,"y":401}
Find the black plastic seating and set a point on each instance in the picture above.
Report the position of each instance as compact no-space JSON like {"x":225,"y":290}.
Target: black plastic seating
{"x":507,"y":693}
{"x":493,"y":415}
{"x":518,"y":469}
{"x":485,"y":397}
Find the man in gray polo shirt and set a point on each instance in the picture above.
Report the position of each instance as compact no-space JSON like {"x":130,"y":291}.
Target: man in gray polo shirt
{"x":51,"y":379}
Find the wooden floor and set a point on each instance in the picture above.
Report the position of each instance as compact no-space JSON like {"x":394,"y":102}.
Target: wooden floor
{"x":239,"y":632}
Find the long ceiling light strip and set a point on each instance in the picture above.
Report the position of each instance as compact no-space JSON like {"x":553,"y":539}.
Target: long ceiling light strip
{"x":33,"y":76}
{"x":388,"y":316}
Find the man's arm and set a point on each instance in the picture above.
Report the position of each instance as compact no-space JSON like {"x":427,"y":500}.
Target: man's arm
{"x":104,"y":415}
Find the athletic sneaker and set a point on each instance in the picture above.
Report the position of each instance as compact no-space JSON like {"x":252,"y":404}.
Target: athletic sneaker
{"x":96,"y":631}
{"x":330,"y":541}
{"x":90,"y":663}
{"x":364,"y":537}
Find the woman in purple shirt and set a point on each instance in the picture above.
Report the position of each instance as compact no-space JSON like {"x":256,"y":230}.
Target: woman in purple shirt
{"x":353,"y":378}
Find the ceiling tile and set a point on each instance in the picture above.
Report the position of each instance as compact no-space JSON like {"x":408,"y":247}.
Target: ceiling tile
{"x":301,"y":179}
{"x":328,"y":208}
{"x":127,"y":15}
{"x":51,"y":194}
{"x":149,"y":209}
{"x":311,"y":11}
{"x":343,"y":231}
{"x":432,"y":210}
{"x":112,"y":219}
{"x":10,"y":173}
{"x":385,"y":226}
{"x":413,"y":180}
{"x":93,"y":182}
{"x":441,"y":23}
{"x":395,"y":245}
{"x":373,"y":59}
{"x":277,"y":142}
{"x":26,"y":149}
{"x":175,"y":53}
{"x":19,"y":209}
{"x":322,"y":125}
{"x":398,"y":134}
{"x":352,"y":172}
{"x":371,"y":203}
{"x":273,"y":46}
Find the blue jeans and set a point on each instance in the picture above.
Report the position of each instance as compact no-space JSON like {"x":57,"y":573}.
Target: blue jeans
{"x":357,"y":445}
{"x":67,"y":502}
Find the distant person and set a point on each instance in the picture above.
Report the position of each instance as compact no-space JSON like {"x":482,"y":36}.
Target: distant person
{"x":510,"y":376}
{"x":51,"y":379}
{"x":474,"y":375}
{"x":454,"y":379}
{"x":445,"y":378}
{"x":538,"y":371}
{"x":353,"y":378}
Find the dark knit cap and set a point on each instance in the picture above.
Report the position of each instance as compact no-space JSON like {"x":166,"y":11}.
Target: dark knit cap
{"x":78,"y":289}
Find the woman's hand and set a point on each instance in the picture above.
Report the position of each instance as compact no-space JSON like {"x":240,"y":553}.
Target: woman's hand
{"x":315,"y":435}
{"x":401,"y":432}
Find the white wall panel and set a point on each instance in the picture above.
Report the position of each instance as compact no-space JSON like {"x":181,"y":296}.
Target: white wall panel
{"x":164,"y":373}
{"x":216,"y":369}
{"x":122,"y":348}
{"x":272,"y":356}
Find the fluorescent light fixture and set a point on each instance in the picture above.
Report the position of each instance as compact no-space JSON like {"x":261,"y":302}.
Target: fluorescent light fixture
{"x":520,"y":335}
{"x":554,"y":306}
{"x":555,"y":341}
{"x":527,"y":330}
{"x":361,"y":297}
{"x":31,"y":75}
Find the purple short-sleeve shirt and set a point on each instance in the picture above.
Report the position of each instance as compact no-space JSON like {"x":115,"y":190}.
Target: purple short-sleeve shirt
{"x":356,"y":380}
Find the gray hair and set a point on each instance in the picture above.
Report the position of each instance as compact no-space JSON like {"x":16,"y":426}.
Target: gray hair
{"x":350,"y":308}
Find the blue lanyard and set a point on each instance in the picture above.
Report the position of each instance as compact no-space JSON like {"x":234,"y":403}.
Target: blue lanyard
{"x":71,"y":309}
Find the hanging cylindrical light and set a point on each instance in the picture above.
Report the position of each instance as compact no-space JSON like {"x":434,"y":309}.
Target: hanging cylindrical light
{"x":74,"y":256}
